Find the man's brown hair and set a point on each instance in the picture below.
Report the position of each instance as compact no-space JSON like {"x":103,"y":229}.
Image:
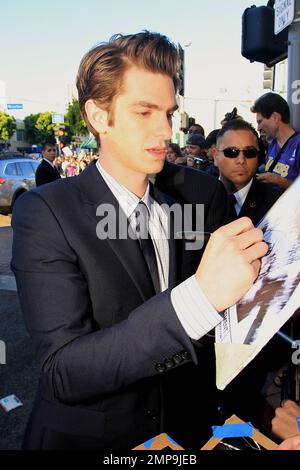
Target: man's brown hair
{"x":270,"y":103}
{"x":101,"y":70}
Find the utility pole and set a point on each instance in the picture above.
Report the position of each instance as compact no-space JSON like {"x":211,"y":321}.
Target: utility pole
{"x":294,"y":68}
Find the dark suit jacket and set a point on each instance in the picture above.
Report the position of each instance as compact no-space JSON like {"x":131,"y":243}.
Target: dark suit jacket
{"x":190,"y":186}
{"x":103,"y":339}
{"x":259,"y":200}
{"x":45,"y":173}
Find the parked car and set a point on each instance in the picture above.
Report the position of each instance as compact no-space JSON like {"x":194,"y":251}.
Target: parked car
{"x":17,"y":175}
{"x":36,"y":156}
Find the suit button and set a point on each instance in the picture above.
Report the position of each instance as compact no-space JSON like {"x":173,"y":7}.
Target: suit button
{"x":185,"y":355}
{"x":177,"y":358}
{"x":169,"y":363}
{"x":160,"y":367}
{"x":151,"y":414}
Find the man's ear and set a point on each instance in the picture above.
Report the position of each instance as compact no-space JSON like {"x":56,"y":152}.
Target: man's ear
{"x":97,"y":117}
{"x":277,"y":117}
{"x":215,"y":156}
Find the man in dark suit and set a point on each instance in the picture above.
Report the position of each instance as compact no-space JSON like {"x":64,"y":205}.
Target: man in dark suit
{"x":46,"y":171}
{"x":236,"y":156}
{"x":113,"y":313}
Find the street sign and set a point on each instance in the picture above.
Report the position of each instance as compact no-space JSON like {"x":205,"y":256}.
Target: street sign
{"x":57,"y":118}
{"x":284,"y":14}
{"x":14,"y":106}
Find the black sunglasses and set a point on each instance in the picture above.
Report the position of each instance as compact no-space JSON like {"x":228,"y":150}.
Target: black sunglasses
{"x":233,"y":152}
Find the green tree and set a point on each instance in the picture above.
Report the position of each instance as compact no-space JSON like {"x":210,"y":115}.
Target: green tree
{"x":45,"y":128}
{"x":39,"y":128}
{"x":7,"y":126}
{"x":31,"y":132}
{"x":73,"y":119}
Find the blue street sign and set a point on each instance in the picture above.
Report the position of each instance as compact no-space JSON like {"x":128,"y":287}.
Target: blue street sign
{"x":57,"y":118}
{"x":14,"y":106}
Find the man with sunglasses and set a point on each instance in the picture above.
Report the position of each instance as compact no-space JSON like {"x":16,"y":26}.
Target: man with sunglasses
{"x":236,"y":156}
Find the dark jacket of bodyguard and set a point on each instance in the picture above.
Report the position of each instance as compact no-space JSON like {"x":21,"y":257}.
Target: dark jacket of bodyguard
{"x":118,"y":362}
{"x":46,"y":171}
{"x":260,"y":198}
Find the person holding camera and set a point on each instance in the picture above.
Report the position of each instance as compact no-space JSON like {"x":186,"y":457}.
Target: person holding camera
{"x":196,"y":155}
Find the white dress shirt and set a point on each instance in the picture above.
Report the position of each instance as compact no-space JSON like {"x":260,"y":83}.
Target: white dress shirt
{"x":241,"y":195}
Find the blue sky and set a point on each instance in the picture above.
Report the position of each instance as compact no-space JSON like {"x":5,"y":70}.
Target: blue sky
{"x":43,"y":42}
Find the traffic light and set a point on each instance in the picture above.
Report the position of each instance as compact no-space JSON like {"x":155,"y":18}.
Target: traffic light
{"x":269,"y":73}
{"x":181,"y":71}
{"x":184,"y":122}
{"x":259,"y":42}
{"x":60,"y":131}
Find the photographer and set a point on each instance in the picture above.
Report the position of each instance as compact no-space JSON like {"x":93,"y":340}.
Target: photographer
{"x":196,"y":154}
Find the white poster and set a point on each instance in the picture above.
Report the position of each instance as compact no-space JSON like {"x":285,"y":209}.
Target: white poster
{"x":273,"y":298}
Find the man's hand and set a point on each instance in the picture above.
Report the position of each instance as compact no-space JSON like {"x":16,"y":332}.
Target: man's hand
{"x":284,"y":423}
{"x":292,"y":443}
{"x":273,"y":178}
{"x":231,"y":262}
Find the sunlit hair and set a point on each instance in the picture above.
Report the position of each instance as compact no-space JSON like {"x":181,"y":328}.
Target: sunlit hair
{"x":102,"y":69}
{"x":270,"y":103}
{"x":237,"y":125}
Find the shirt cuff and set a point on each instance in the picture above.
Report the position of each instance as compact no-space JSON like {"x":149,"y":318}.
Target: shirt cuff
{"x":193,"y":310}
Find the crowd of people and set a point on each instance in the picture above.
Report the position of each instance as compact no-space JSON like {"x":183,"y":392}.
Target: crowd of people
{"x":73,"y":165}
{"x":123,"y":326}
{"x":53,"y":167}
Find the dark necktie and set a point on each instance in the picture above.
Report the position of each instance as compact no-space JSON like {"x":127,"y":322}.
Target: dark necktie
{"x":231,"y":212}
{"x":146,"y":244}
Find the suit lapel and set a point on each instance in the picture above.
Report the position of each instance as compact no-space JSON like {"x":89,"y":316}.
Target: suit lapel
{"x":52,"y":170}
{"x":95,"y":193}
{"x":163,"y":198}
{"x":249,"y":208}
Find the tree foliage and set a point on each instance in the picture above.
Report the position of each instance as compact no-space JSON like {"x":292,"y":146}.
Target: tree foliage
{"x":30,"y":129}
{"x":39,"y":128}
{"x":45,"y":127}
{"x":74,"y":120}
{"x":7,"y":126}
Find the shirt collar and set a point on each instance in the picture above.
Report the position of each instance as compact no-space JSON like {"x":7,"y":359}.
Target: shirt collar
{"x":128,"y":200}
{"x":242,"y":193}
{"x":48,"y":161}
